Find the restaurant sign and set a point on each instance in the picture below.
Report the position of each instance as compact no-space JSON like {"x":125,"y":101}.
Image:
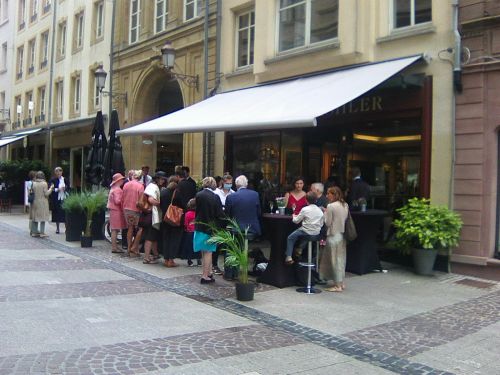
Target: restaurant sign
{"x":361,"y":105}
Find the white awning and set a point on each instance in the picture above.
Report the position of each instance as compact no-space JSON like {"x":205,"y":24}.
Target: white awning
{"x":6,"y":141}
{"x":289,"y":104}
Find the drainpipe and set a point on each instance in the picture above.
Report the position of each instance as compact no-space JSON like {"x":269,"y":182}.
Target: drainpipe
{"x":111,"y":51}
{"x":457,"y":85}
{"x":48,"y":142}
{"x":207,"y":149}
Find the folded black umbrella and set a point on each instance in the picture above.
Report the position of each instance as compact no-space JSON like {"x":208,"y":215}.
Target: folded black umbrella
{"x":113,"y":159}
{"x":94,"y":168}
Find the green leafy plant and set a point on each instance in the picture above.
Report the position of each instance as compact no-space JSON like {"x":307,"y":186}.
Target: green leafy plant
{"x":92,"y":202}
{"x":73,"y":203}
{"x":425,"y":226}
{"x":233,"y":240}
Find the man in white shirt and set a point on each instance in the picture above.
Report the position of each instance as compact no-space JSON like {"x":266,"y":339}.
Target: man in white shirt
{"x":227,"y":184}
{"x":311,"y":217}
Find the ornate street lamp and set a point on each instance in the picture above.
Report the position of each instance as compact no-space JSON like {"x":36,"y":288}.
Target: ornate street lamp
{"x":100,"y":76}
{"x":168,"y":62}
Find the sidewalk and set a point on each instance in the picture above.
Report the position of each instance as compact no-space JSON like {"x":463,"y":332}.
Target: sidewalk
{"x":95,"y":312}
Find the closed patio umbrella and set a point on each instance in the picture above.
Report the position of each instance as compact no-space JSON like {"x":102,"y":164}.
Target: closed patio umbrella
{"x":113,"y":159}
{"x":94,"y":168}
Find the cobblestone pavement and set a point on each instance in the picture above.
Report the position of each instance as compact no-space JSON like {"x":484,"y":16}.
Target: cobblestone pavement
{"x":73,"y":290}
{"x":151,"y":355}
{"x":388,"y":346}
{"x":418,"y":333}
{"x":47,"y":265}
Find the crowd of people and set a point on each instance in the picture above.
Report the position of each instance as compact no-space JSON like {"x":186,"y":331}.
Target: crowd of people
{"x":139,"y":207}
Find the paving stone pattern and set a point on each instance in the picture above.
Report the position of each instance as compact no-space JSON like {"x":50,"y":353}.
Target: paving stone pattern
{"x":375,"y":356}
{"x":151,"y":355}
{"x":416,"y":334}
{"x":75,"y":290}
{"x":47,"y":265}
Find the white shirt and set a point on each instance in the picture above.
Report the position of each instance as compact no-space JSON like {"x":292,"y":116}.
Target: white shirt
{"x":222,"y":195}
{"x":312,"y":219}
{"x":153,"y":191}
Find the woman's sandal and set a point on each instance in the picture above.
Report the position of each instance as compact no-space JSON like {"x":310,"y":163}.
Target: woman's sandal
{"x":149,"y":261}
{"x":117,"y":251}
{"x":336,"y":289}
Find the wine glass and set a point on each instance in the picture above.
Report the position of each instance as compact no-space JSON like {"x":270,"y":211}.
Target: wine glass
{"x":271,"y":206}
{"x":294,"y":206}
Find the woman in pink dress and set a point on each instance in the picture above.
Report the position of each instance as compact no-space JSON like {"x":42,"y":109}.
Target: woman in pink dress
{"x":116,"y":217}
{"x":296,"y":199}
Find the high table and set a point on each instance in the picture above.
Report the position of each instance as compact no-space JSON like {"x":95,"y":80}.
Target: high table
{"x":362,"y":256}
{"x":276,"y":229}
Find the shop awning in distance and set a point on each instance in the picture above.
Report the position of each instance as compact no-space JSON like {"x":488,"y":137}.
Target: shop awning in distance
{"x":4,"y":141}
{"x":295,"y":103}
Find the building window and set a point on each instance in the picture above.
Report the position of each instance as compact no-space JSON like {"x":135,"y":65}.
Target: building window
{"x":193,"y":9}
{"x":29,"y":107}
{"x":33,"y":10}
{"x":412,"y":12}
{"x":305,"y":22}
{"x":31,"y":56}
{"x":76,"y":85}
{"x":20,"y":62}
{"x":21,"y":12}
{"x":46,"y":6}
{"x":44,"y":50}
{"x":245,"y":39}
{"x":41,"y":105}
{"x":61,"y":48}
{"x":59,"y":98}
{"x":135,"y":13}
{"x":97,"y":95}
{"x":78,"y":31}
{"x":161,"y":15}
{"x":4,"y":10}
{"x":19,"y":111}
{"x":3,"y":115}
{"x":3,"y":60}
{"x":99,"y":19}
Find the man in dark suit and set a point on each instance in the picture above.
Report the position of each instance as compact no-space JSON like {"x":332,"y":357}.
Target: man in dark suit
{"x":188,"y":177}
{"x":186,"y":188}
{"x":244,"y":207}
{"x":359,"y":188}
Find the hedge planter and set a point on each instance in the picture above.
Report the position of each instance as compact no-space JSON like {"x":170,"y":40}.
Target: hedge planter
{"x":75,"y":225}
{"x":423,"y":261}
{"x":86,"y":241}
{"x":244,"y":292}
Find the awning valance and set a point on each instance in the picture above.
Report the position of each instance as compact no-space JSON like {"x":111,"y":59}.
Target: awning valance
{"x":288,"y":104}
{"x":6,"y":141}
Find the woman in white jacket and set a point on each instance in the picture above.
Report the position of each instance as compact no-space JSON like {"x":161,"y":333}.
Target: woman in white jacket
{"x":333,"y":258}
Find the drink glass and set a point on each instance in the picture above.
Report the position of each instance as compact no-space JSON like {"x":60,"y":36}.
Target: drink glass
{"x":271,"y":206}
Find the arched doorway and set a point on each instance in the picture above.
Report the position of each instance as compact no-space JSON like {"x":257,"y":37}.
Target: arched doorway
{"x":159,"y":95}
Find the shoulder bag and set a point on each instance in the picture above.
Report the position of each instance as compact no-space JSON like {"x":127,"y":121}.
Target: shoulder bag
{"x":173,"y":216}
{"x":143,"y":203}
{"x":350,"y":233}
{"x":31,"y":195}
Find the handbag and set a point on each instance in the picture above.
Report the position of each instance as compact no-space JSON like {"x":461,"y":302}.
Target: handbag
{"x":31,"y":195}
{"x":173,"y":216}
{"x":143,"y":203}
{"x":350,"y":233}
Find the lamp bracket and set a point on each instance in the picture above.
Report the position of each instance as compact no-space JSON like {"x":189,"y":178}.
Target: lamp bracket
{"x":191,"y":81}
{"x":116,"y":95}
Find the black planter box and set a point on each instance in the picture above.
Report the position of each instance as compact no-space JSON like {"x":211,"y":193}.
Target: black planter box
{"x":76,"y":222}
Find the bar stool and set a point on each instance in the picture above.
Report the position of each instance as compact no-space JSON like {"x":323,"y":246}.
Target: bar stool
{"x":310,"y":265}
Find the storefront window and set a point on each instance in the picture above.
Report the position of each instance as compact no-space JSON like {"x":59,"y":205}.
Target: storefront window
{"x":257,"y":156}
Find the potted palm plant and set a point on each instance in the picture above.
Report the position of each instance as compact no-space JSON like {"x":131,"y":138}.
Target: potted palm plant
{"x":423,"y":229}
{"x":234,"y":241}
{"x":92,"y":203}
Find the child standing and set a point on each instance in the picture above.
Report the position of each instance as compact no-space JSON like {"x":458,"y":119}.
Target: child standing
{"x":187,"y":236}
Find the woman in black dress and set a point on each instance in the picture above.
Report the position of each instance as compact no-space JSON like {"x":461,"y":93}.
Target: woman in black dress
{"x":60,"y":192}
{"x":170,"y":236}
